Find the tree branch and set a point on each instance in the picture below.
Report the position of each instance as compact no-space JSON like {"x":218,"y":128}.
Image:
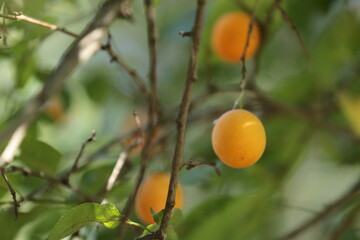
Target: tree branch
{"x":287,"y":18}
{"x":182,"y":118}
{"x":153,"y":112}
{"x":29,"y":172}
{"x":13,"y":194}
{"x":79,"y":52}
{"x":77,"y":159}
{"x":24,"y":18}
{"x":40,"y":200}
{"x":152,"y":43}
{"x":108,"y":47}
{"x":240,"y":99}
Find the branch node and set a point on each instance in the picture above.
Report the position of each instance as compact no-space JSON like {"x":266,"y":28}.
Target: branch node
{"x":186,"y":34}
{"x":13,"y":194}
{"x":192,"y":164}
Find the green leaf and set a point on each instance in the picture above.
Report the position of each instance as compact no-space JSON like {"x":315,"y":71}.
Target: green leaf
{"x":337,"y":35}
{"x":204,"y":211}
{"x":176,"y":216}
{"x":111,"y":214}
{"x":26,"y":66}
{"x":39,"y":155}
{"x":135,"y":224}
{"x":157,"y":216}
{"x":239,"y":219}
{"x":82,"y":215}
{"x":97,"y":87}
{"x":171,"y":234}
{"x":150,"y":229}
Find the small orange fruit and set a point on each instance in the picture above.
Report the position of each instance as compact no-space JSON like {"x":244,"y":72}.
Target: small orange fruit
{"x":152,"y":194}
{"x":238,"y":138}
{"x":229,"y":36}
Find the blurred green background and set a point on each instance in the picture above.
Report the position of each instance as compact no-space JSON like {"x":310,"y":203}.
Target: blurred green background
{"x":310,"y":109}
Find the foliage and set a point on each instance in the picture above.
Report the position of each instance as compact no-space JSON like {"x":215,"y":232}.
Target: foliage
{"x":309,"y":108}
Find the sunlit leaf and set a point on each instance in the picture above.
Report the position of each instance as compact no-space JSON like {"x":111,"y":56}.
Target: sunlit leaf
{"x":157,"y":215}
{"x":82,"y":215}
{"x":150,"y":229}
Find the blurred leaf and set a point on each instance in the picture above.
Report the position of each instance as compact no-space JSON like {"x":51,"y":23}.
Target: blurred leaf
{"x":157,"y":3}
{"x":157,"y":216}
{"x":82,"y":215}
{"x":176,"y":216}
{"x":351,"y":234}
{"x":25,"y":68}
{"x":94,"y":179}
{"x":34,"y":7}
{"x":304,"y":85}
{"x":171,"y":234}
{"x":239,"y":219}
{"x":205,"y":210}
{"x":31,"y":224}
{"x":339,"y":148}
{"x":135,"y":224}
{"x":350,"y":107}
{"x":39,"y":155}
{"x":97,"y":88}
{"x":37,"y":222}
{"x":7,"y":219}
{"x":285,"y":136}
{"x":338,"y":35}
{"x":301,"y":12}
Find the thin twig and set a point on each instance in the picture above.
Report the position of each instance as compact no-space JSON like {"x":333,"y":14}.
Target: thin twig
{"x":182,"y":118}
{"x":40,"y":200}
{"x":78,"y":157}
{"x":303,"y":209}
{"x":152,"y":43}
{"x":350,"y":194}
{"x":13,"y":194}
{"x":192,"y":164}
{"x":294,"y":28}
{"x":243,"y":5}
{"x":185,"y":34}
{"x":108,"y":47}
{"x":79,"y":52}
{"x":153,"y":113}
{"x":240,"y":99}
{"x":345,"y":224}
{"x":29,"y":172}
{"x":121,"y":160}
{"x":24,"y":18}
{"x":268,"y":20}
